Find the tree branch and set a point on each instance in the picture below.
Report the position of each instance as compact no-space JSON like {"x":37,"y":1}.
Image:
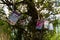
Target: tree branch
{"x":7,"y":3}
{"x":23,"y":2}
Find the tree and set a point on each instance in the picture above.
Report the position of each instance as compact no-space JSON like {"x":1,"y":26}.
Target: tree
{"x":33,"y":9}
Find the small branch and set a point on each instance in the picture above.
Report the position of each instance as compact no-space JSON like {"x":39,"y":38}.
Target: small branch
{"x":7,"y":3}
{"x":21,"y":2}
{"x":2,"y":3}
{"x":42,"y":2}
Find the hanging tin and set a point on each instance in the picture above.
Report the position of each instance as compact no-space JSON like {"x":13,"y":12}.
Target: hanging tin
{"x":39,"y":24}
{"x":46,"y":24}
{"x":51,"y":26}
{"x":13,"y":18}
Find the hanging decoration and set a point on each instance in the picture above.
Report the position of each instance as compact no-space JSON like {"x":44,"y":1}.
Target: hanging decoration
{"x":22,"y":22}
{"x":46,"y":24}
{"x":40,"y":22}
{"x":51,"y":26}
{"x":13,"y":18}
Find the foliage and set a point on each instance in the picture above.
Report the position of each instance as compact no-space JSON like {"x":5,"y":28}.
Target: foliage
{"x":4,"y":29}
{"x":33,"y":12}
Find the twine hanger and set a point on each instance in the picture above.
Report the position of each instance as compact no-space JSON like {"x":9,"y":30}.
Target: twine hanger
{"x":40,"y":16}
